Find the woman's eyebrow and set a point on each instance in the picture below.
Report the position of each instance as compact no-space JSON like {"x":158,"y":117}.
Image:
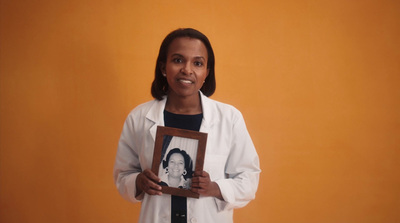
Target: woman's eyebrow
{"x":180,"y":55}
{"x":177,"y":54}
{"x":200,"y":57}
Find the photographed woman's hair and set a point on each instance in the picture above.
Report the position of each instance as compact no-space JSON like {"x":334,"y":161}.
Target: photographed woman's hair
{"x":159,"y":87}
{"x":186,"y":157}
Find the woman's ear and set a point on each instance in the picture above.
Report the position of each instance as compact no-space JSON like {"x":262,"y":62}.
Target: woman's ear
{"x":162,"y":68}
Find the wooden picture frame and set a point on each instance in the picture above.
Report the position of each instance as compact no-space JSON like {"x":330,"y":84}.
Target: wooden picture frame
{"x":173,"y":149}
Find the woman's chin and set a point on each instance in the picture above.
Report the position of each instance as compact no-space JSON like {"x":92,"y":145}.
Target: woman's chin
{"x":175,"y":176}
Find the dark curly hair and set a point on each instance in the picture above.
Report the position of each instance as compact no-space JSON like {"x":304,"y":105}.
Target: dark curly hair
{"x":159,"y":87}
{"x":186,"y":157}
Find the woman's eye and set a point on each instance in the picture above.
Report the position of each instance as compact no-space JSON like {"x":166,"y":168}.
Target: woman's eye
{"x":177,"y":60}
{"x":198,"y":63}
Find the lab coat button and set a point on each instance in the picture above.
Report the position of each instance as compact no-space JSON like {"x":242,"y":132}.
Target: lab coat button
{"x":193,"y":220}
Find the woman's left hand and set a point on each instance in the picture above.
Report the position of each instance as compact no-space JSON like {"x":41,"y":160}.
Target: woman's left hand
{"x":202,"y":184}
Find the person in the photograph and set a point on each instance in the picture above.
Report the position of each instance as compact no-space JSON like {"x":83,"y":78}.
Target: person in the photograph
{"x":178,"y":169}
{"x":184,"y":80}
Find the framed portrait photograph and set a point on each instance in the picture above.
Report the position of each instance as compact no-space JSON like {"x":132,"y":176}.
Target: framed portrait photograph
{"x":177,"y":154}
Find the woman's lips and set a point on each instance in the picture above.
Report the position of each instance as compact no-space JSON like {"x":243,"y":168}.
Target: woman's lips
{"x":185,"y":81}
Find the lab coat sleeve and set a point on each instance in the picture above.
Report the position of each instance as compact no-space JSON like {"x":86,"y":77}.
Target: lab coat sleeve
{"x":127,"y":166}
{"x":242,"y":169}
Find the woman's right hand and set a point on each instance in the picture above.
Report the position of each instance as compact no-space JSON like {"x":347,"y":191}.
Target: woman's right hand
{"x":147,"y":182}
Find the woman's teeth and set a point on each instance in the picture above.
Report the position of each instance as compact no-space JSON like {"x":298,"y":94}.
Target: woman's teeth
{"x":185,"y":81}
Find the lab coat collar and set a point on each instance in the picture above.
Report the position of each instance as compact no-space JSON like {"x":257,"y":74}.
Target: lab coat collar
{"x":156,"y":114}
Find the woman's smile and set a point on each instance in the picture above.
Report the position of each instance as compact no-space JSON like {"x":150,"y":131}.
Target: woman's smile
{"x":186,"y":81}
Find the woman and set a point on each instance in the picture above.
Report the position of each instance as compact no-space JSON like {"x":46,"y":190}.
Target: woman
{"x":178,"y":169}
{"x":184,"y":79}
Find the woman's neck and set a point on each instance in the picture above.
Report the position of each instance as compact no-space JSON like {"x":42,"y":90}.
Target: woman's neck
{"x":184,"y":105}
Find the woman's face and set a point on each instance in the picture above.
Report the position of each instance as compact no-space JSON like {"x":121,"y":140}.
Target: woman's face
{"x":176,"y":165}
{"x":186,"y":66}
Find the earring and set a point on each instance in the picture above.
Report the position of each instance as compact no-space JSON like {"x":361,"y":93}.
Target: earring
{"x":164,"y":75}
{"x":166,"y":170}
{"x":184,"y":172}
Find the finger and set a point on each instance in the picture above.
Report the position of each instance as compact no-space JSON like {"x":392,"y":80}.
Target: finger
{"x":195,"y":190}
{"x":199,"y":179}
{"x":201,"y":174}
{"x":195,"y":180}
{"x":198,"y":173}
{"x":199,"y":191}
{"x":200,"y":184}
{"x":196,"y":184}
{"x":146,"y":184}
{"x":149,"y":174}
{"x":154,"y":186}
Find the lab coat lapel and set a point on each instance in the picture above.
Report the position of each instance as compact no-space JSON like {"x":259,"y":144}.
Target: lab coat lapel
{"x":207,"y":122}
{"x":156,"y":116}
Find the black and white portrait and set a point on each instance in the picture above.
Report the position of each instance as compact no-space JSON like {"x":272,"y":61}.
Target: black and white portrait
{"x":178,"y":161}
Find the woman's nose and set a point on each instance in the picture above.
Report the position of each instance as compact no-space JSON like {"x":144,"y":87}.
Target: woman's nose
{"x":187,"y":68}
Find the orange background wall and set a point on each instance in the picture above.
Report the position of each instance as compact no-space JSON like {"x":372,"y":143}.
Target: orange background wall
{"x":318,"y":83}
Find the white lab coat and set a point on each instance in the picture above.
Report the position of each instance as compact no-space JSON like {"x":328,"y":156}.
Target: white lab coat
{"x":231,"y":160}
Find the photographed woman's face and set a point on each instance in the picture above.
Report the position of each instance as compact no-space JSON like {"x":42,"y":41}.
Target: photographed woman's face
{"x":186,"y":66}
{"x":176,"y":165}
